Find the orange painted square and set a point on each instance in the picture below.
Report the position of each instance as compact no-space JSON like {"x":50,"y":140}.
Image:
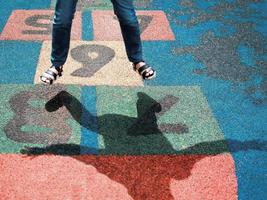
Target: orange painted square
{"x":106,"y":26}
{"x":19,"y":26}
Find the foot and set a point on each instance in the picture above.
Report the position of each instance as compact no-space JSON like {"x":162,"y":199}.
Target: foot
{"x":50,"y":75}
{"x":144,"y":70}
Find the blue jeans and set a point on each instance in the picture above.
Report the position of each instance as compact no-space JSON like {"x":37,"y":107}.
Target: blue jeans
{"x":64,"y":14}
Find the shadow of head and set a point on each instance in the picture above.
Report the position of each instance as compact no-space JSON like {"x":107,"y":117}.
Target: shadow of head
{"x":62,"y":98}
{"x":144,"y":102}
{"x":146,"y":121}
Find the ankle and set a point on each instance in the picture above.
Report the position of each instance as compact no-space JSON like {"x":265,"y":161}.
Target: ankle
{"x":56,"y":69}
{"x":139,"y":64}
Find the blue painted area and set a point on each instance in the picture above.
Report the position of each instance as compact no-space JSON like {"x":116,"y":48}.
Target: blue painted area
{"x":227,"y":30}
{"x":18,"y":61}
{"x":206,"y":5}
{"x":87,"y":26}
{"x":260,"y":6}
{"x":241,"y":120}
{"x":261,"y":27}
{"x":239,"y":117}
{"x":183,"y":32}
{"x":162,"y":5}
{"x":171,"y":69}
{"x":89,"y":138}
{"x":246,"y":55}
{"x":6,"y":8}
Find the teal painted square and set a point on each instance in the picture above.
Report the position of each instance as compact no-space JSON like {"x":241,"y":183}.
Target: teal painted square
{"x":18,"y":61}
{"x":156,"y":120}
{"x":41,"y":117}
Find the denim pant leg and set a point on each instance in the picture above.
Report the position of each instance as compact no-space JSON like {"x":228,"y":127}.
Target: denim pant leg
{"x":64,"y":14}
{"x":125,"y":12}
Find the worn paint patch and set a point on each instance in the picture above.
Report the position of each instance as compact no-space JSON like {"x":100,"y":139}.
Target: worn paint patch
{"x":92,"y":63}
{"x":154,"y":25}
{"x":35,"y":25}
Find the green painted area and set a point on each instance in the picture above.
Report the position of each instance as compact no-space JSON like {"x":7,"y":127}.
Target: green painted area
{"x":131,"y":120}
{"x":37,"y":103}
{"x":36,"y":128}
{"x":119,"y":108}
{"x":20,"y":124}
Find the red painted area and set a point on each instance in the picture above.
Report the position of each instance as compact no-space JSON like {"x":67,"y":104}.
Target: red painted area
{"x":16,"y":25}
{"x":118,"y":177}
{"x":107,"y":28}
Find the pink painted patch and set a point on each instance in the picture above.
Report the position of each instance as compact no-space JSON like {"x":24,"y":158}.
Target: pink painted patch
{"x":154,"y":25}
{"x":55,"y":177}
{"x":118,"y":177}
{"x":211,"y":178}
{"x":36,"y":25}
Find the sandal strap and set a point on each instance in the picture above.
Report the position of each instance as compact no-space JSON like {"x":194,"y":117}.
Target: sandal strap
{"x":51,"y":74}
{"x":142,"y":69}
{"x":59,"y":71}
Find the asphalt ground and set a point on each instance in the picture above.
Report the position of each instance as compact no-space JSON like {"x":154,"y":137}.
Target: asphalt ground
{"x":197,"y":131}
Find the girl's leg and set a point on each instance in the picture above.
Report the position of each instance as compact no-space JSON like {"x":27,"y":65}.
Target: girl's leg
{"x":64,"y":14}
{"x":125,"y":12}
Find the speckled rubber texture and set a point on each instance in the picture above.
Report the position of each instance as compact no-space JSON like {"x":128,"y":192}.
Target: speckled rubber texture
{"x":196,"y":131}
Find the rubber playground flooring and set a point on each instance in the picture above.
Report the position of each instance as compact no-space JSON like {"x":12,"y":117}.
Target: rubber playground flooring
{"x":197,"y":131}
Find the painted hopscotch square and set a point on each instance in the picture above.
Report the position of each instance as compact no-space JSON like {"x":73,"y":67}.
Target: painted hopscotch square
{"x":154,"y":25}
{"x":104,"y":4}
{"x":92,"y":63}
{"x":37,"y":115}
{"x":18,"y":61}
{"x":119,"y":177}
{"x":36,"y":25}
{"x":156,"y":120}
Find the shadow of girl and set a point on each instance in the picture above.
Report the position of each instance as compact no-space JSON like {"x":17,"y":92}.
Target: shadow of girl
{"x":136,"y":153}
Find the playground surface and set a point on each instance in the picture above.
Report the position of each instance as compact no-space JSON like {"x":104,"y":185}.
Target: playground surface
{"x":196,"y":132}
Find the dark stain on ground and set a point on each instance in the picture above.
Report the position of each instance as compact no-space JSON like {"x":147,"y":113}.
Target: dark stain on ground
{"x":220,"y":55}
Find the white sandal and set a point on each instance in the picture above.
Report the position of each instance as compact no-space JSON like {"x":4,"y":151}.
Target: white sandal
{"x":50,"y":75}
